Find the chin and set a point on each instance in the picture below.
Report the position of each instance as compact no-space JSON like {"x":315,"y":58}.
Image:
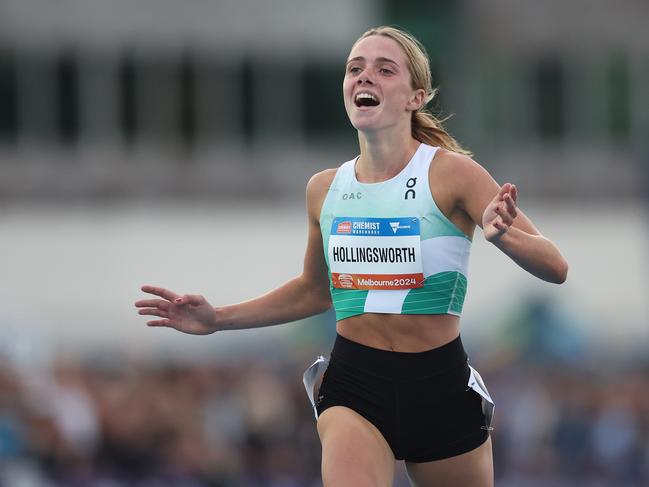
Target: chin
{"x":364,"y":123}
{"x":362,"y":126}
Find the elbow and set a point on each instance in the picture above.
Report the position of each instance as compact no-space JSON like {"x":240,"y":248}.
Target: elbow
{"x":325,"y":303}
{"x":321,"y":301}
{"x":560,"y":274}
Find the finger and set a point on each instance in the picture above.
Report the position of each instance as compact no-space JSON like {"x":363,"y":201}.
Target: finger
{"x":511,"y":205}
{"x":153,"y":312}
{"x":505,"y":216}
{"x":153,"y":303}
{"x":503,"y":211}
{"x":514,"y":193}
{"x":507,"y":219}
{"x":191,"y":299}
{"x":160,"y":323}
{"x":504,"y":189}
{"x":160,"y":291}
{"x":500,"y":225}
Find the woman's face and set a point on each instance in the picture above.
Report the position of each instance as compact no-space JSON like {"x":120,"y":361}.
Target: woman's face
{"x":377,"y":86}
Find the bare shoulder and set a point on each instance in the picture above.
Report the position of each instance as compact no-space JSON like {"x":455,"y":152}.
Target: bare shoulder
{"x":316,"y":190}
{"x":459,"y":175}
{"x":320,"y":182}
{"x":461,"y":188}
{"x":454,"y":167}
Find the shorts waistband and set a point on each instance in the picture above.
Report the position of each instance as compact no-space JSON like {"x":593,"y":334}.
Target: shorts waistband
{"x":399,"y":365}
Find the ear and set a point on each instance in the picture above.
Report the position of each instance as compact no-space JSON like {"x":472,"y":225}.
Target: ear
{"x":416,"y":101}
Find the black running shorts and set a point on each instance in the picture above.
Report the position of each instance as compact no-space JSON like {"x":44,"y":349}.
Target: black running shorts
{"x":420,"y":402}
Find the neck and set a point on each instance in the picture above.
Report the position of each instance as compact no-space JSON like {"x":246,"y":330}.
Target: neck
{"x":384,"y":155}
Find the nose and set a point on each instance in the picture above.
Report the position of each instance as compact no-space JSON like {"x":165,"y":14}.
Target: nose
{"x":364,"y":79}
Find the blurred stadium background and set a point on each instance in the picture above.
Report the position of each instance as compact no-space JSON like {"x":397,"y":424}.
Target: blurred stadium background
{"x":169,"y":143}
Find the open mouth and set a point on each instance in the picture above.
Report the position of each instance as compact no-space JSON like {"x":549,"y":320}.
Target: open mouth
{"x":365,"y":100}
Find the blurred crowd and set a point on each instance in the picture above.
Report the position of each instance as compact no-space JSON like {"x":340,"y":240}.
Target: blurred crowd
{"x":145,"y":423}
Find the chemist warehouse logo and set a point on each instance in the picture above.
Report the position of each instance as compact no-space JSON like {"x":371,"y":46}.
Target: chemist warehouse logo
{"x":396,"y":226}
{"x":344,"y":227}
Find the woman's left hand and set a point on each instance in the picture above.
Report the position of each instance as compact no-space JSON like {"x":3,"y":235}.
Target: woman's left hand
{"x":499,"y":214}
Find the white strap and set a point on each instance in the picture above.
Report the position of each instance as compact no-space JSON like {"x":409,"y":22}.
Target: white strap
{"x":311,"y":376}
{"x":477,"y":384}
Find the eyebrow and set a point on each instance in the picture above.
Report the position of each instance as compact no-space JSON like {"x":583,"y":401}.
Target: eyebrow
{"x":378,"y":59}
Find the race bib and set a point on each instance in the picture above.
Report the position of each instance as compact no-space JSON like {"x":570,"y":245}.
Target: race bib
{"x":375,"y":253}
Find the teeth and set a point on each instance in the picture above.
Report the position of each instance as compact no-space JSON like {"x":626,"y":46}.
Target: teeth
{"x":366,"y":95}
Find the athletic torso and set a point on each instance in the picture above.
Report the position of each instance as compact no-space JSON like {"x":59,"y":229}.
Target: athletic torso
{"x":415,"y":317}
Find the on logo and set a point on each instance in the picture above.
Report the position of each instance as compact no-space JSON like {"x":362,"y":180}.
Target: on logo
{"x":410,"y":184}
{"x":352,"y":196}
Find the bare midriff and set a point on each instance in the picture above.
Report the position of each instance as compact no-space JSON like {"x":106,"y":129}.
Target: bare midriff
{"x":400,"y":333}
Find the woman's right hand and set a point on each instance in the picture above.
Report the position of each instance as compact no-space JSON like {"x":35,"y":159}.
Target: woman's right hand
{"x":187,"y":313}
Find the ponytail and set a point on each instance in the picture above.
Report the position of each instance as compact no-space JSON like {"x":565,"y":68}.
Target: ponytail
{"x":429,"y":130}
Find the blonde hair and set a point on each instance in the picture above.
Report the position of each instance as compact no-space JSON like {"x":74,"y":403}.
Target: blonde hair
{"x":426,"y":127}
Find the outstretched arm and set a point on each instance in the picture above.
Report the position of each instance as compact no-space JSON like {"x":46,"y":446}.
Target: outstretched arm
{"x":300,"y":297}
{"x":511,"y":231}
{"x":495,"y":209}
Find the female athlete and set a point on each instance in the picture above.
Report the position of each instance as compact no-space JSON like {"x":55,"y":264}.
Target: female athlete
{"x":389,"y":238}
